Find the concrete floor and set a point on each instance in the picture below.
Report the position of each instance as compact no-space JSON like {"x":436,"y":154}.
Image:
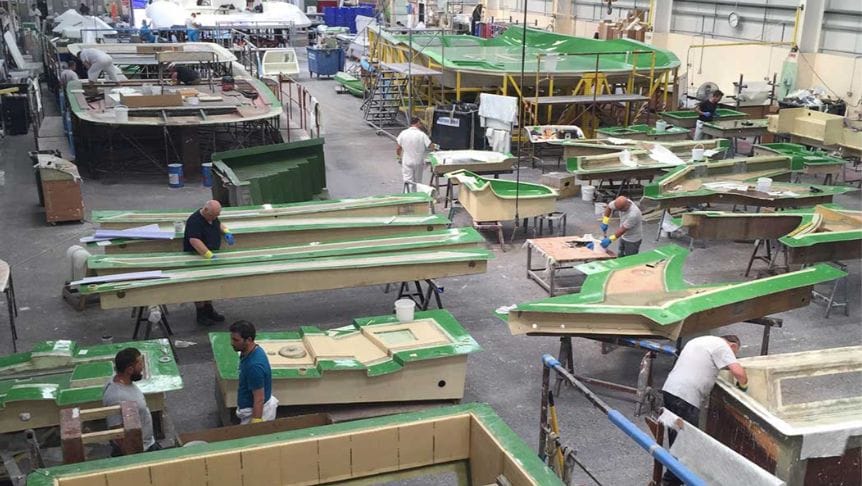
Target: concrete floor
{"x":506,"y":374}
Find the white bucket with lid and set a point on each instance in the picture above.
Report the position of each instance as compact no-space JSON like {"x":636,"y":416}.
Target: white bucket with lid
{"x":405,"y":309}
{"x":121,"y":113}
{"x":660,"y":125}
{"x":697,"y":153}
{"x":588,"y":193}
{"x":764,"y":184}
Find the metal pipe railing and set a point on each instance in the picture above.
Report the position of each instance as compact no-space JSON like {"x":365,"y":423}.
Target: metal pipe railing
{"x":640,"y":437}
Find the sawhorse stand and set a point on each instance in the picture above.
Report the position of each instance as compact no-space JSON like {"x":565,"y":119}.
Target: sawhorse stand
{"x":421,"y":296}
{"x":141,"y":315}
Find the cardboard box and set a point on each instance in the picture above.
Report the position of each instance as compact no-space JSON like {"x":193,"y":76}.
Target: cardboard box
{"x":563,"y":182}
{"x":608,"y":30}
{"x":152,"y":101}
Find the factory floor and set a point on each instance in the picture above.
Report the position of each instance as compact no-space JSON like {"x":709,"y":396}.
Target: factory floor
{"x":505,"y":374}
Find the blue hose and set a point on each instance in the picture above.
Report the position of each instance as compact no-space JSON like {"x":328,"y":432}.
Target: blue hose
{"x":655,"y":450}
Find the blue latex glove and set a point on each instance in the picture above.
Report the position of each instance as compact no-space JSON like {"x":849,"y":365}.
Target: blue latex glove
{"x":708,"y":115}
{"x":591,"y":245}
{"x":213,"y":257}
{"x":228,"y":237}
{"x":603,"y":227}
{"x":606,"y":242}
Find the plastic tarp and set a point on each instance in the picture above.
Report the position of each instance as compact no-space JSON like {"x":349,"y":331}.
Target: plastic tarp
{"x":164,"y":14}
{"x":274,"y":13}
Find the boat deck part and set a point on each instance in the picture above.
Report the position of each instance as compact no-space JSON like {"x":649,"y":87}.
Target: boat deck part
{"x":468,"y":439}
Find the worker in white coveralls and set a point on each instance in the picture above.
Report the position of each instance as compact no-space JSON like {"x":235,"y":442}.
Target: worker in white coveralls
{"x":98,"y":62}
{"x":412,"y":145}
{"x":693,"y":376}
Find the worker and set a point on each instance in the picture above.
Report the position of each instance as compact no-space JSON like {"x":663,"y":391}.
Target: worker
{"x":693,"y":376}
{"x":630,"y":233}
{"x":145,"y":33}
{"x":475,"y":18}
{"x":203,"y":235}
{"x":83,"y":9}
{"x":96,"y":62}
{"x":68,"y":72}
{"x":412,"y":144}
{"x":707,"y":110}
{"x":192,"y":26}
{"x":254,"y":399}
{"x":129,"y":367}
{"x":183,"y":74}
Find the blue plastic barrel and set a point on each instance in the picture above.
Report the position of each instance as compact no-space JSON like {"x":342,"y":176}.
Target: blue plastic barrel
{"x":207,"y":174}
{"x":175,"y":175}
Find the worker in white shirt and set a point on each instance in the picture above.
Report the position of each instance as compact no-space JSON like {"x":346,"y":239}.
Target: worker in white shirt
{"x":412,"y":144}
{"x":693,"y":376}
{"x":98,"y":62}
{"x":67,"y":73}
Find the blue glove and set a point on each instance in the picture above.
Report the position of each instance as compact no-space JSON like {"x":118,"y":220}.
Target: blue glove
{"x":229,"y":238}
{"x":213,"y":257}
{"x":708,"y":115}
{"x":591,"y":245}
{"x":606,"y":242}
{"x":603,"y":227}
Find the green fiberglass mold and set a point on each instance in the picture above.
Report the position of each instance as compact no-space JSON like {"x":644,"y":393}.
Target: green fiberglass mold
{"x":376,"y":359}
{"x":645,"y":295}
{"x":34,"y":386}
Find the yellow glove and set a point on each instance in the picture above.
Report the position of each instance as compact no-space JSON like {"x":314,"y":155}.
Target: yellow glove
{"x":612,"y":237}
{"x":208,"y":255}
{"x":256,"y":420}
{"x":606,"y":219}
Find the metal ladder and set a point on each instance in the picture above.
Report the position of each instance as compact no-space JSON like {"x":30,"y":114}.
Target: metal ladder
{"x":387,"y":94}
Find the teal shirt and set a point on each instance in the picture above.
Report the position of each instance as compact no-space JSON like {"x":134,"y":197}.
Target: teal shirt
{"x":254,"y":373}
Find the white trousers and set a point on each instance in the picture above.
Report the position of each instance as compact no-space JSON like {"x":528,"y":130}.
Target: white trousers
{"x":270,"y":407}
{"x":112,"y":72}
{"x":412,"y":173}
{"x":698,"y":130}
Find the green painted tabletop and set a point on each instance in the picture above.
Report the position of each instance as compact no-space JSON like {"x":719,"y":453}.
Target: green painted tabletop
{"x":691,"y":114}
{"x":649,"y":130}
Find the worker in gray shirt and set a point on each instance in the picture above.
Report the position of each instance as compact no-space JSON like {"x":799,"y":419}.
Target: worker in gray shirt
{"x":129,"y":365}
{"x":630,"y":233}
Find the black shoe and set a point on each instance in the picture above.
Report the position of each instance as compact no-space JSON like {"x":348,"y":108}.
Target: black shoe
{"x":204,"y":319}
{"x":212,"y":314}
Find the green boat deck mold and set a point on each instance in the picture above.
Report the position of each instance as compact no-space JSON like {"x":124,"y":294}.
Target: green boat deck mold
{"x":734,"y":182}
{"x":262,"y":233}
{"x":454,"y":238}
{"x":36,"y":385}
{"x":823,"y":233}
{"x":494,"y":199}
{"x":468,"y":439}
{"x":477,"y":161}
{"x":802,"y":158}
{"x":376,"y":359}
{"x":594,"y":147}
{"x":688,"y":118}
{"x":645,"y":295}
{"x":288,"y":276}
{"x":412,"y":203}
{"x":643,"y":132}
{"x":278,"y":173}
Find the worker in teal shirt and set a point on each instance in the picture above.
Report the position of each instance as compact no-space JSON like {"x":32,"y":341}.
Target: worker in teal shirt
{"x":254,"y":400}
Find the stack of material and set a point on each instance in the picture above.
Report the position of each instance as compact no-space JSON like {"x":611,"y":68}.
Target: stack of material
{"x":632,"y":27}
{"x":276,"y":255}
{"x":280,"y":173}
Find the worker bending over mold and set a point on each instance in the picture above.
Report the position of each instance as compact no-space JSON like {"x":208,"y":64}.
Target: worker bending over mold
{"x":203,"y":235}
{"x":97,"y":62}
{"x":254,"y":400}
{"x":693,"y":376}
{"x":630,"y":233}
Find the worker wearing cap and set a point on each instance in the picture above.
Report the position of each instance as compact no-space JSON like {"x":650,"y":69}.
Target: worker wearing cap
{"x":97,"y":62}
{"x":707,"y":111}
{"x":693,"y":376}
{"x":203,"y":235}
{"x":630,"y":233}
{"x":254,"y":399}
{"x":412,"y":145}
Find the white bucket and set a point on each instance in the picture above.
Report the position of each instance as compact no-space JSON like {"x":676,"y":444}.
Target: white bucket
{"x":764,"y":184}
{"x":600,"y":209}
{"x":121,"y":113}
{"x":404,"y":309}
{"x":588,"y":193}
{"x":697,"y":153}
{"x":193,"y":100}
{"x":660,"y":125}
